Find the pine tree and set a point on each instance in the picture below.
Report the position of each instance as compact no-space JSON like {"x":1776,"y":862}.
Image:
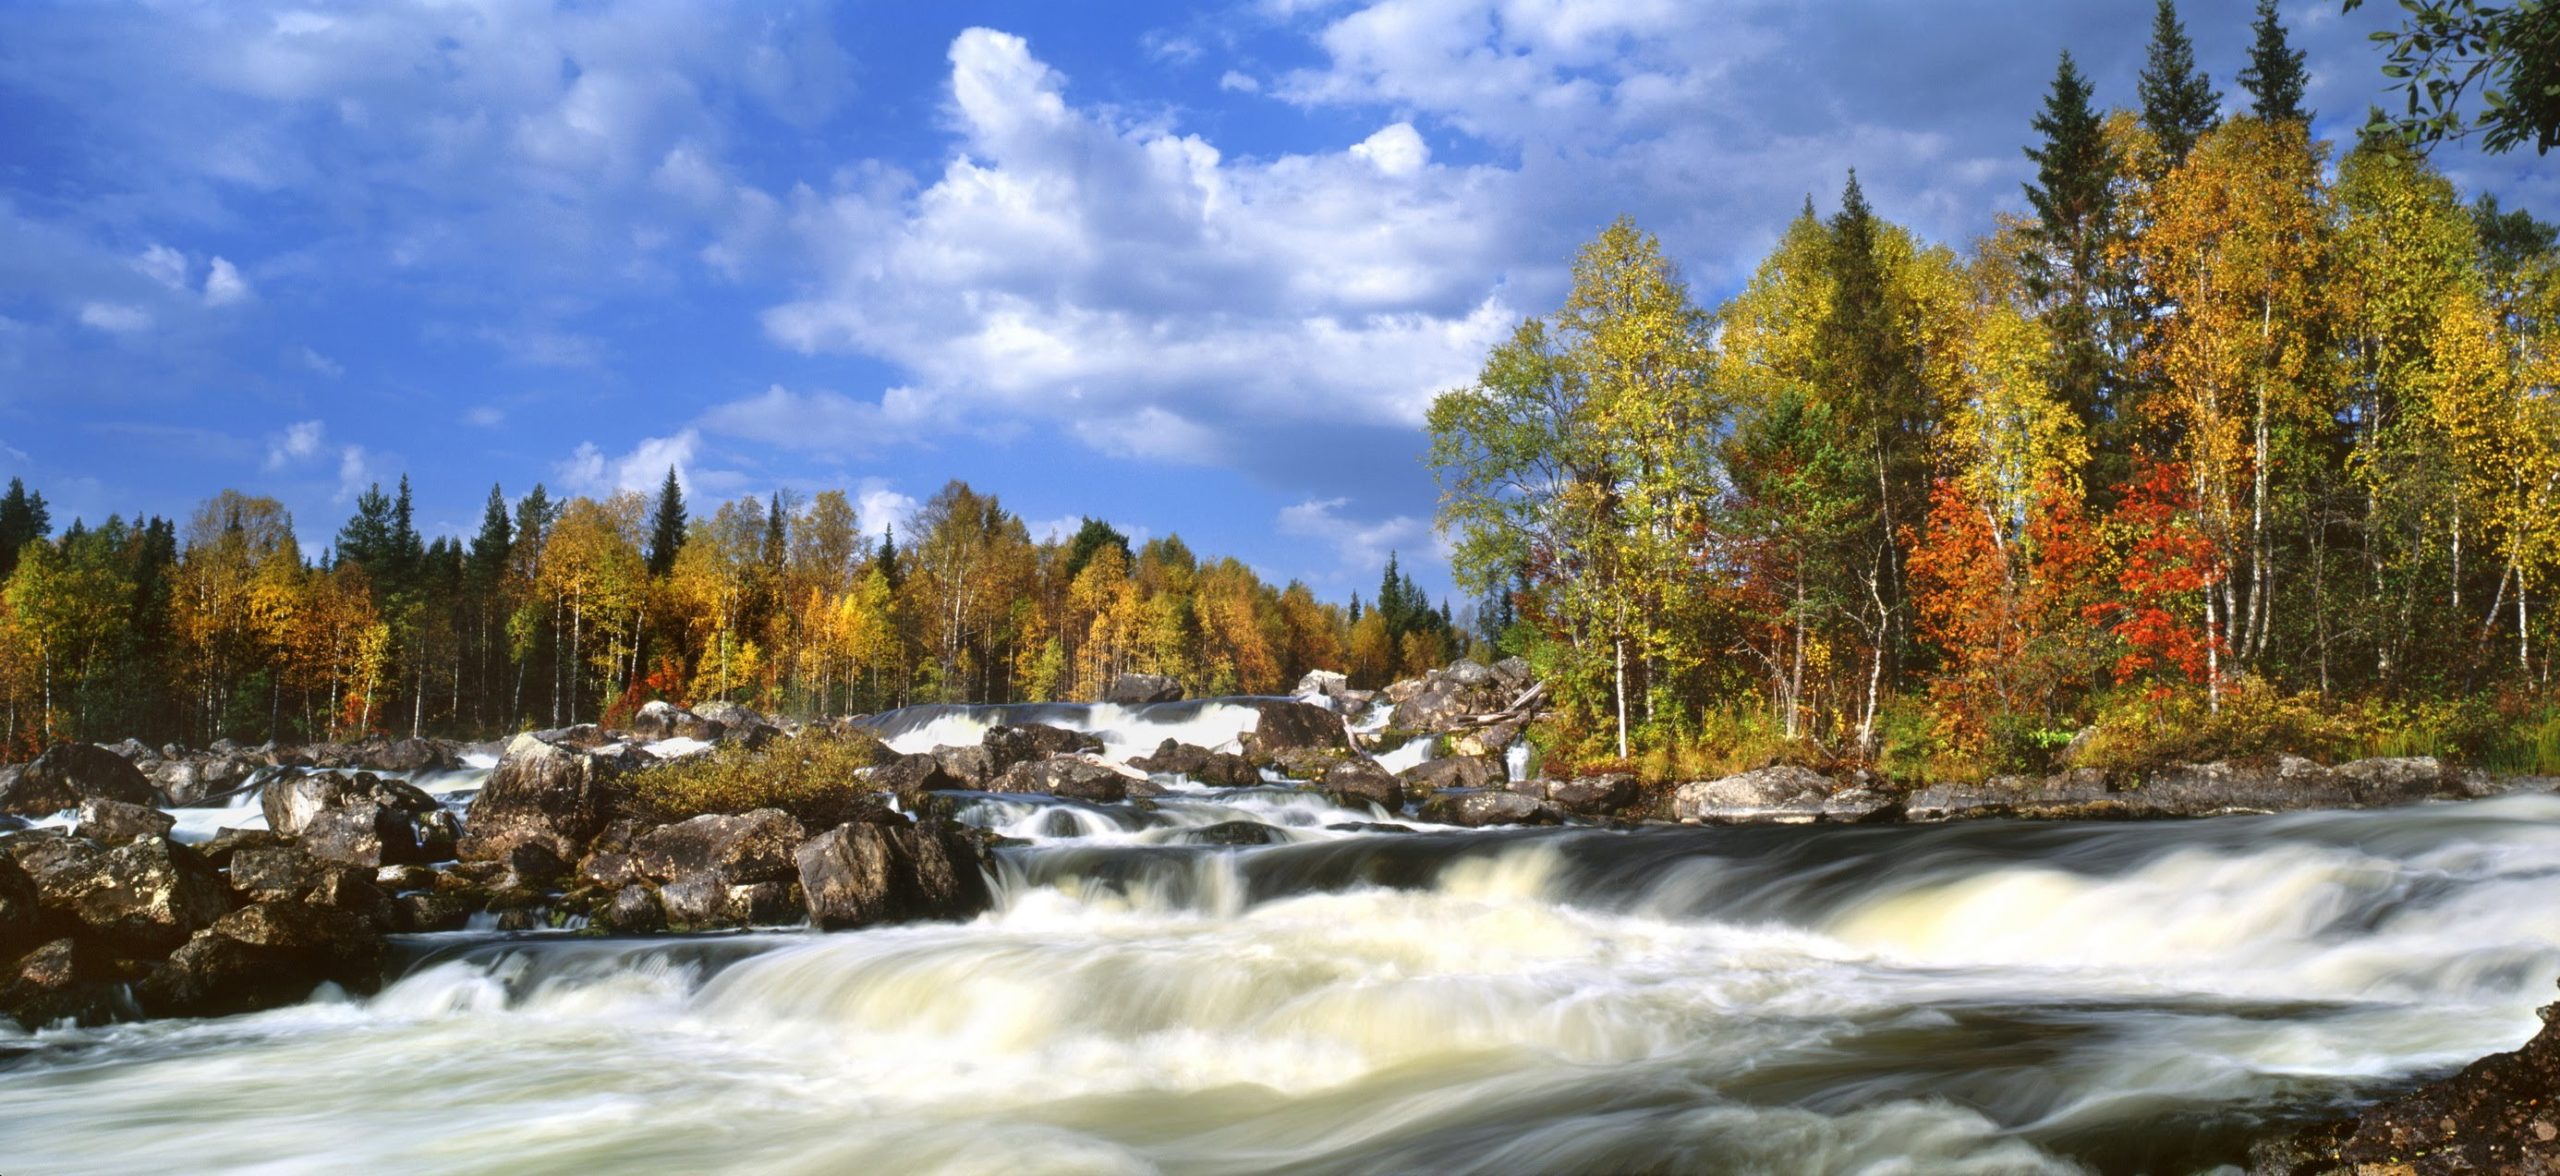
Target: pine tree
{"x":2179,"y":103}
{"x":2274,"y":77}
{"x":367,"y":539}
{"x":886,"y":559}
{"x":666,"y":528}
{"x":406,"y":557}
{"x":777,"y":536}
{"x":489,"y":548}
{"x":2075,"y":209}
{"x":22,"y":519}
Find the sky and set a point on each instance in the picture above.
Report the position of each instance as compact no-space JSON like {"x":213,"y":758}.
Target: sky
{"x":1192,"y":269}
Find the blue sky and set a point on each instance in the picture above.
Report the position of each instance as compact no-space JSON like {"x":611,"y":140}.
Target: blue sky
{"x":1192,"y":269}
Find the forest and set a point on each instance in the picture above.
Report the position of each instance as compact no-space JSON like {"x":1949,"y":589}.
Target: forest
{"x":2225,"y":439}
{"x":566,"y":611}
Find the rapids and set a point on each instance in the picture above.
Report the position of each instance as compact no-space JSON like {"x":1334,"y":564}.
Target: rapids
{"x":1977,"y":997}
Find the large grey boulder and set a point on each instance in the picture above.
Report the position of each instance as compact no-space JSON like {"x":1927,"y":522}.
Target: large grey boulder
{"x":144,"y":898}
{"x":1454,"y":771}
{"x":68,"y":773}
{"x":1217,"y":769}
{"x":733,"y":848}
{"x":1070,"y":777}
{"x":891,"y":871}
{"x":113,"y":822}
{"x":1358,"y":783}
{"x":1301,"y":739}
{"x":1783,"y":794}
{"x":542,"y":792}
{"x":1141,"y":689}
{"x":1476,"y":810}
{"x":1448,"y":699}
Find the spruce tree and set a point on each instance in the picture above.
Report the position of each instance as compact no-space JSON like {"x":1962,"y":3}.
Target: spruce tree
{"x":2275,"y":77}
{"x":406,"y":556}
{"x":366,"y":539}
{"x":777,"y":534}
{"x":666,"y":527}
{"x":2179,"y":103}
{"x":489,"y":548}
{"x":23,"y":519}
{"x":886,"y":559}
{"x":2075,"y":210}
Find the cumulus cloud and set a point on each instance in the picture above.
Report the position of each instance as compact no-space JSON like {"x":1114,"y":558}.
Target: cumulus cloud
{"x":1361,"y":546}
{"x":1236,"y":82}
{"x":591,"y":471}
{"x":879,"y":505}
{"x":223,"y":285}
{"x":300,"y":441}
{"x":164,"y":265}
{"x":115,"y":317}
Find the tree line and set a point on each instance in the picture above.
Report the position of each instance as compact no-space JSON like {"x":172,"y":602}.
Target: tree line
{"x":2218,"y":414}
{"x":579,"y":610}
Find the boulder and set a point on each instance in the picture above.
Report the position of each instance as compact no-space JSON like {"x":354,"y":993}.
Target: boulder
{"x":736,"y":849}
{"x":1322,"y":684}
{"x":1300,"y":739}
{"x":410,"y":755}
{"x":635,"y":910}
{"x":1232,"y":833}
{"x":68,"y":773}
{"x":2379,"y":783}
{"x":189,"y":781}
{"x":1359,"y":783}
{"x":2291,"y":783}
{"x":543,"y":792}
{"x":113,"y":822}
{"x":863,"y":873}
{"x":23,"y":921}
{"x":972,"y":767}
{"x":659,"y":719}
{"x":1783,"y":794}
{"x":277,"y":872}
{"x":1141,"y":689}
{"x":2497,"y":1115}
{"x":292,"y":800}
{"x":1010,"y":745}
{"x":1591,"y":796}
{"x":2079,"y":793}
{"x":1492,"y":741}
{"x":698,"y":902}
{"x":364,"y":833}
{"x":145,"y":897}
{"x":1475,"y":810}
{"x":1449,"y":699}
{"x":1454,"y":771}
{"x":57,"y":982}
{"x":909,"y":777}
{"x":337,"y":944}
{"x":132,"y":751}
{"x":729,"y":722}
{"x":214,"y":975}
{"x":1217,"y":769}
{"x":439,"y":835}
{"x":1068,"y":777}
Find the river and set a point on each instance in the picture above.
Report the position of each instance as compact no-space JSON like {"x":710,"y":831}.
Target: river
{"x":1986,"y":997}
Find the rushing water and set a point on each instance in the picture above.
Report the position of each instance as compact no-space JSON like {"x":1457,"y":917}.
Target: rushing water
{"x":1982,"y":997}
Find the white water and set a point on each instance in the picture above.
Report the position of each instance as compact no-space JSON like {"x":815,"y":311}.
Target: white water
{"x":1988,"y":997}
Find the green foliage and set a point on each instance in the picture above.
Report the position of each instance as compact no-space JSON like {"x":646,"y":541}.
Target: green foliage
{"x":2178,"y":100}
{"x":2274,"y":77}
{"x":2446,"y":48}
{"x":812,"y":776}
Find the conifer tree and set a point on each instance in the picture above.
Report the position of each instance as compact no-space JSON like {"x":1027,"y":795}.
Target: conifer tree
{"x":22,"y":518}
{"x":489,"y":548}
{"x":2179,"y":103}
{"x":2275,"y":76}
{"x":2075,"y":209}
{"x":666,"y":527}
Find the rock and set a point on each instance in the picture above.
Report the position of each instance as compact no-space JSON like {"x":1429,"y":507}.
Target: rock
{"x":2379,"y":783}
{"x":132,"y":751}
{"x":635,"y":910}
{"x":2080,"y":793}
{"x":1322,"y":684}
{"x":215,"y":975}
{"x":148,"y":896}
{"x":1141,"y":689}
{"x":969,"y":767}
{"x":334,"y":943}
{"x":291,"y":801}
{"x":396,"y":880}
{"x":1447,"y":700}
{"x":1475,"y":810}
{"x":729,"y":722}
{"x":1233,"y":833}
{"x":862,"y":873}
{"x":767,"y":904}
{"x":1007,"y":746}
{"x":410,"y":755}
{"x":532,"y":865}
{"x":658,"y":719}
{"x":433,"y":911}
{"x":363,"y":833}
{"x":189,"y":781}
{"x":439,"y":835}
{"x":609,"y":861}
{"x":1492,"y":741}
{"x":1217,"y":769}
{"x":1454,"y":771}
{"x":55,"y":983}
{"x":2498,"y":1115}
{"x":737,"y":849}
{"x":699,"y":902}
{"x":909,"y":777}
{"x":23,"y":921}
{"x":1783,"y":794}
{"x":542,"y":792}
{"x":1300,"y":739}
{"x":1359,"y":783}
{"x":113,"y":822}
{"x":1512,"y":672}
{"x":68,"y":773}
{"x":1592,"y":796}
{"x":2192,"y":790}
{"x":1067,"y":777}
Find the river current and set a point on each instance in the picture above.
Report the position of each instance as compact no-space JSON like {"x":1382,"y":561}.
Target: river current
{"x":1990,"y":997}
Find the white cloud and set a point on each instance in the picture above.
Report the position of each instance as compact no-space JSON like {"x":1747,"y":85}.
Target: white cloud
{"x":1238,"y":83}
{"x":355,"y":472}
{"x":1362,"y":547}
{"x":590,"y":471}
{"x":321,"y":364}
{"x":115,"y":317}
{"x":1057,"y":530}
{"x":825,"y":422}
{"x":485,"y":416}
{"x":164,"y":265}
{"x":299,"y":442}
{"x":877,"y":504}
{"x":223,"y":285}
{"x":1396,"y":150}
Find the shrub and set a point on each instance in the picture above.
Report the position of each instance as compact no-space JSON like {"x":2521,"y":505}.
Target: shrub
{"x":813,"y":777}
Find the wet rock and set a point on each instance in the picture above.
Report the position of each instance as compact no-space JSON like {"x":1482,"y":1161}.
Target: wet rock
{"x":215,"y":975}
{"x":1217,"y":769}
{"x":1476,"y":810}
{"x":1784,"y":794}
{"x":226,"y":843}
{"x":541,"y":792}
{"x":113,"y":822}
{"x":909,"y":778}
{"x":767,"y":904}
{"x":971,"y":767}
{"x":363,"y":834}
{"x":1359,"y":783}
{"x":68,"y":773}
{"x":23,"y":921}
{"x":1021,"y":743}
{"x":132,"y":751}
{"x":635,"y":910}
{"x":699,"y":902}
{"x":2379,"y":783}
{"x":432,"y":911}
{"x":336,"y":944}
{"x":291,"y":802}
{"x":2290,"y":784}
{"x":407,"y":755}
{"x":1485,"y":741}
{"x":862,"y":873}
{"x":1454,"y":771}
{"x":1294,"y":734}
{"x":2081,"y":793}
{"x":1370,"y":827}
{"x":1233,"y":833}
{"x":609,"y":861}
{"x":1592,"y":796}
{"x":145,"y":897}
{"x":1070,"y":778}
{"x":2500,"y":1114}
{"x":1322,"y":684}
{"x":532,"y":866}
{"x":191,"y":780}
{"x":439,"y":835}
{"x":737,"y":849}
{"x":55,"y":983}
{"x":1141,"y":689}
{"x":399,"y":879}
